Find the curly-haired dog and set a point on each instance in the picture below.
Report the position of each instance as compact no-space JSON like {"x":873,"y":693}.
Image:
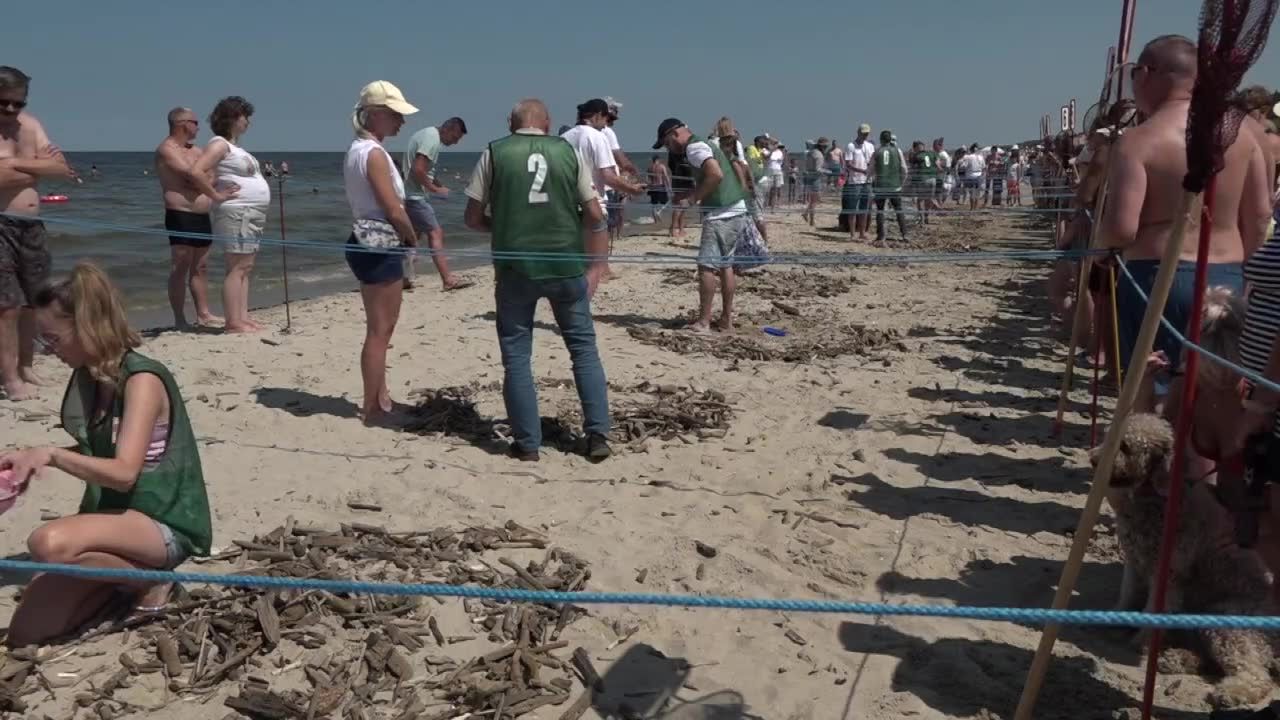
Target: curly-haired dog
{"x":1209,"y":573}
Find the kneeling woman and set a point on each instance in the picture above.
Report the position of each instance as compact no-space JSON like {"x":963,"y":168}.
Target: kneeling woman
{"x":144,"y":504}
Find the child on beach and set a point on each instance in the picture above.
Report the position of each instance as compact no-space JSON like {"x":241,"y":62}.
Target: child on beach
{"x":144,"y":505}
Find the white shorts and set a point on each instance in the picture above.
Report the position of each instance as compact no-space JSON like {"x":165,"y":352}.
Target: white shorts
{"x":238,"y":227}
{"x":777,"y":179}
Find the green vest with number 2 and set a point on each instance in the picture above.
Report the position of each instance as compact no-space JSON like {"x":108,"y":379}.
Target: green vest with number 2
{"x":533,"y":195}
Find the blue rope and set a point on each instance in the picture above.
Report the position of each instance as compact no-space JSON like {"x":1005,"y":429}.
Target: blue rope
{"x":776,"y":259}
{"x":1017,"y":615}
{"x":1182,"y":340}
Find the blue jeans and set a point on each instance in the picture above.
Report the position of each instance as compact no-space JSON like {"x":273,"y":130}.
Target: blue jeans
{"x":517,"y":298}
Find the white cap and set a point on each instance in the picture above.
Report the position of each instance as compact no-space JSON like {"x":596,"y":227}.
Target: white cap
{"x":381,"y":92}
{"x":615,"y":107}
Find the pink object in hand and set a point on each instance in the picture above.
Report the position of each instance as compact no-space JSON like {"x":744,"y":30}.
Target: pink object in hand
{"x":9,"y":490}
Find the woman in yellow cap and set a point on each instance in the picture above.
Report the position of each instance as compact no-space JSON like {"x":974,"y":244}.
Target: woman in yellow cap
{"x":380,"y":231}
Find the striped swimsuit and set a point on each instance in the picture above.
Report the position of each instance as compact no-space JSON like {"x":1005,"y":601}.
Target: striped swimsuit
{"x":1262,"y":319}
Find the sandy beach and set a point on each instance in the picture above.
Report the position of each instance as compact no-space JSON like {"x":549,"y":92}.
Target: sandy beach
{"x":894,"y":446}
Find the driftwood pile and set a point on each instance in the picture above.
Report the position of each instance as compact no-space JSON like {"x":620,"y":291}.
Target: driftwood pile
{"x":640,"y":412}
{"x":362,"y":656}
{"x":803,"y":342}
{"x":779,"y":284}
{"x":664,"y":412}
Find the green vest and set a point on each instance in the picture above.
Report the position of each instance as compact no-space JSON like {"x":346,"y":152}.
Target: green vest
{"x":172,"y":491}
{"x":925,"y":164}
{"x":533,"y":195}
{"x":729,"y":191}
{"x":888,"y":163}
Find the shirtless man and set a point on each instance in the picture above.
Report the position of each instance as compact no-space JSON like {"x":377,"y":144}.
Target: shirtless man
{"x":186,"y":210}
{"x":26,"y":156}
{"x":1146,"y":169}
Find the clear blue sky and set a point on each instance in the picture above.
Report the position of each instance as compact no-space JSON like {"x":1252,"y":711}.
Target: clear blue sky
{"x":105,"y":73}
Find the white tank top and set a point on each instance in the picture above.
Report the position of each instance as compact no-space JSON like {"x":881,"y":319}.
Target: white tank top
{"x":241,"y":168}
{"x":355,"y":176}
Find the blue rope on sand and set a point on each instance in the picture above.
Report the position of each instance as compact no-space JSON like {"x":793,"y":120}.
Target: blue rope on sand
{"x":1016,"y":615}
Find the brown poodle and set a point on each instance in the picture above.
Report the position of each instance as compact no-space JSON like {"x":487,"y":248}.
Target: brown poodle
{"x":1209,"y":573}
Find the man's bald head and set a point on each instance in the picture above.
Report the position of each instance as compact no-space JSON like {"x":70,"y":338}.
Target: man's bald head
{"x":1172,"y":55}
{"x":530,"y":113}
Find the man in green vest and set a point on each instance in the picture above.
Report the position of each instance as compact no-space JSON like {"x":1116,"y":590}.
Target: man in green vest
{"x":539,"y":191}
{"x":725,"y":221}
{"x":924,"y":170}
{"x":888,"y":173}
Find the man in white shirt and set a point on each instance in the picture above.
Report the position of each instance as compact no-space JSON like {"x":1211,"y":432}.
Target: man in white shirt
{"x":855,"y":201}
{"x":625,"y":167}
{"x":943,"y":181}
{"x":592,"y":144}
{"x":773,"y":168}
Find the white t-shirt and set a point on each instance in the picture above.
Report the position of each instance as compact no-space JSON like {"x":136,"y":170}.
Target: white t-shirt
{"x":944,"y":161}
{"x":698,"y":153}
{"x":775,"y":162}
{"x":973,"y":166}
{"x":355,"y":178}
{"x":594,"y":148}
{"x":612,"y":137}
{"x":240,"y":168}
{"x":858,"y":157}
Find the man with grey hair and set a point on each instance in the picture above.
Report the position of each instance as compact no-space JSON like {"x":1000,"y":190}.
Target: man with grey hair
{"x":26,"y":156}
{"x":186,"y":215}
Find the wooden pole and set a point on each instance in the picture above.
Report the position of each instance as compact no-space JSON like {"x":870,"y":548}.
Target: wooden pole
{"x":1106,"y":458}
{"x":1082,"y":287}
{"x":284,"y":258}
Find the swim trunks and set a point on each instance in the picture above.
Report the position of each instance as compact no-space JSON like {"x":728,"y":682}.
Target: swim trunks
{"x":1177,"y":310}
{"x":24,"y":260}
{"x":421,"y":215}
{"x":658,"y":197}
{"x":181,"y":221}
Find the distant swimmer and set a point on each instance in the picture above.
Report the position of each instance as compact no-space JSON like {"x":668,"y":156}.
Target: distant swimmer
{"x":26,"y":156}
{"x":186,"y":215}
{"x":93,"y":171}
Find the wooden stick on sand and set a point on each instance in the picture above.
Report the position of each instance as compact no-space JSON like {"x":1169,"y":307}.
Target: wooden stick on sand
{"x":1102,"y":474}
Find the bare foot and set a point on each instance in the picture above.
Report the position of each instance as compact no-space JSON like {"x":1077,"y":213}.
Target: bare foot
{"x":154,"y":598}
{"x":231,"y":329}
{"x":385,"y":403}
{"x":257,"y":326}
{"x":723,"y":326}
{"x":700,"y":328}
{"x":29,"y":375}
{"x":209,"y":320}
{"x":19,"y":391}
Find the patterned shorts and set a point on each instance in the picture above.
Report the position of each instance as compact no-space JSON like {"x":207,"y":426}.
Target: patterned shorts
{"x":24,"y":261}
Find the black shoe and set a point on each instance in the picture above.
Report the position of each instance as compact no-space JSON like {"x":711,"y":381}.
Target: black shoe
{"x":524,"y":455}
{"x":598,"y":447}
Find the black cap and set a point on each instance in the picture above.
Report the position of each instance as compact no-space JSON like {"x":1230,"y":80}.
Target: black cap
{"x":665,"y":127}
{"x":594,"y":106}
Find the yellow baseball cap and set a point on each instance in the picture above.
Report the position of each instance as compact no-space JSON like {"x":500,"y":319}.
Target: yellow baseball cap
{"x":864,"y":129}
{"x":381,"y":92}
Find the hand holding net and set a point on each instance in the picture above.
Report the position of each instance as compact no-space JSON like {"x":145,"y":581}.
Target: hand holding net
{"x":1233,"y":34}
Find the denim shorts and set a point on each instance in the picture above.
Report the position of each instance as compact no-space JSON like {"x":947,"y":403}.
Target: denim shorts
{"x":374,"y":267}
{"x":173,"y":553}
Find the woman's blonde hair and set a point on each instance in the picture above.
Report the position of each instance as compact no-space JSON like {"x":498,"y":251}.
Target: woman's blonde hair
{"x":359,"y":117}
{"x":97,"y":315}
{"x":727,"y":136}
{"x":1221,"y":325}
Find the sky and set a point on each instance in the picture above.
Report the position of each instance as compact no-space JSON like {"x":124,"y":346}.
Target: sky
{"x":105,"y":74}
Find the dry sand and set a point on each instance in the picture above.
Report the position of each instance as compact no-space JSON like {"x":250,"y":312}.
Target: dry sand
{"x":922,"y":471}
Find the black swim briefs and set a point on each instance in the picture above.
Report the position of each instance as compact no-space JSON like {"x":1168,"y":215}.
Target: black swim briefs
{"x":181,"y":221}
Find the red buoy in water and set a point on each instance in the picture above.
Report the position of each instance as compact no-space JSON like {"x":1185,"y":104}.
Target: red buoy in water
{"x":54,"y":198}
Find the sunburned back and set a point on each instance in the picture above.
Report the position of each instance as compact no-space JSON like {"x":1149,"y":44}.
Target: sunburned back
{"x":20,"y":141}
{"x":1162,"y":144}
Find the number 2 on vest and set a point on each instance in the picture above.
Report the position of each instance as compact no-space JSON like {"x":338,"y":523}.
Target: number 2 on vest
{"x":538,"y":166}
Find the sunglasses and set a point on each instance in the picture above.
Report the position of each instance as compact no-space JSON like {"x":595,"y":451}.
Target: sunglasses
{"x":14,"y":104}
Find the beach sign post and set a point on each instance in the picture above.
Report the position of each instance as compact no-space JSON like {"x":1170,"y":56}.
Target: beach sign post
{"x":284,"y":249}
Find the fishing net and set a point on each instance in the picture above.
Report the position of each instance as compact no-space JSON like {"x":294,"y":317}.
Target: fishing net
{"x":1233,"y":34}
